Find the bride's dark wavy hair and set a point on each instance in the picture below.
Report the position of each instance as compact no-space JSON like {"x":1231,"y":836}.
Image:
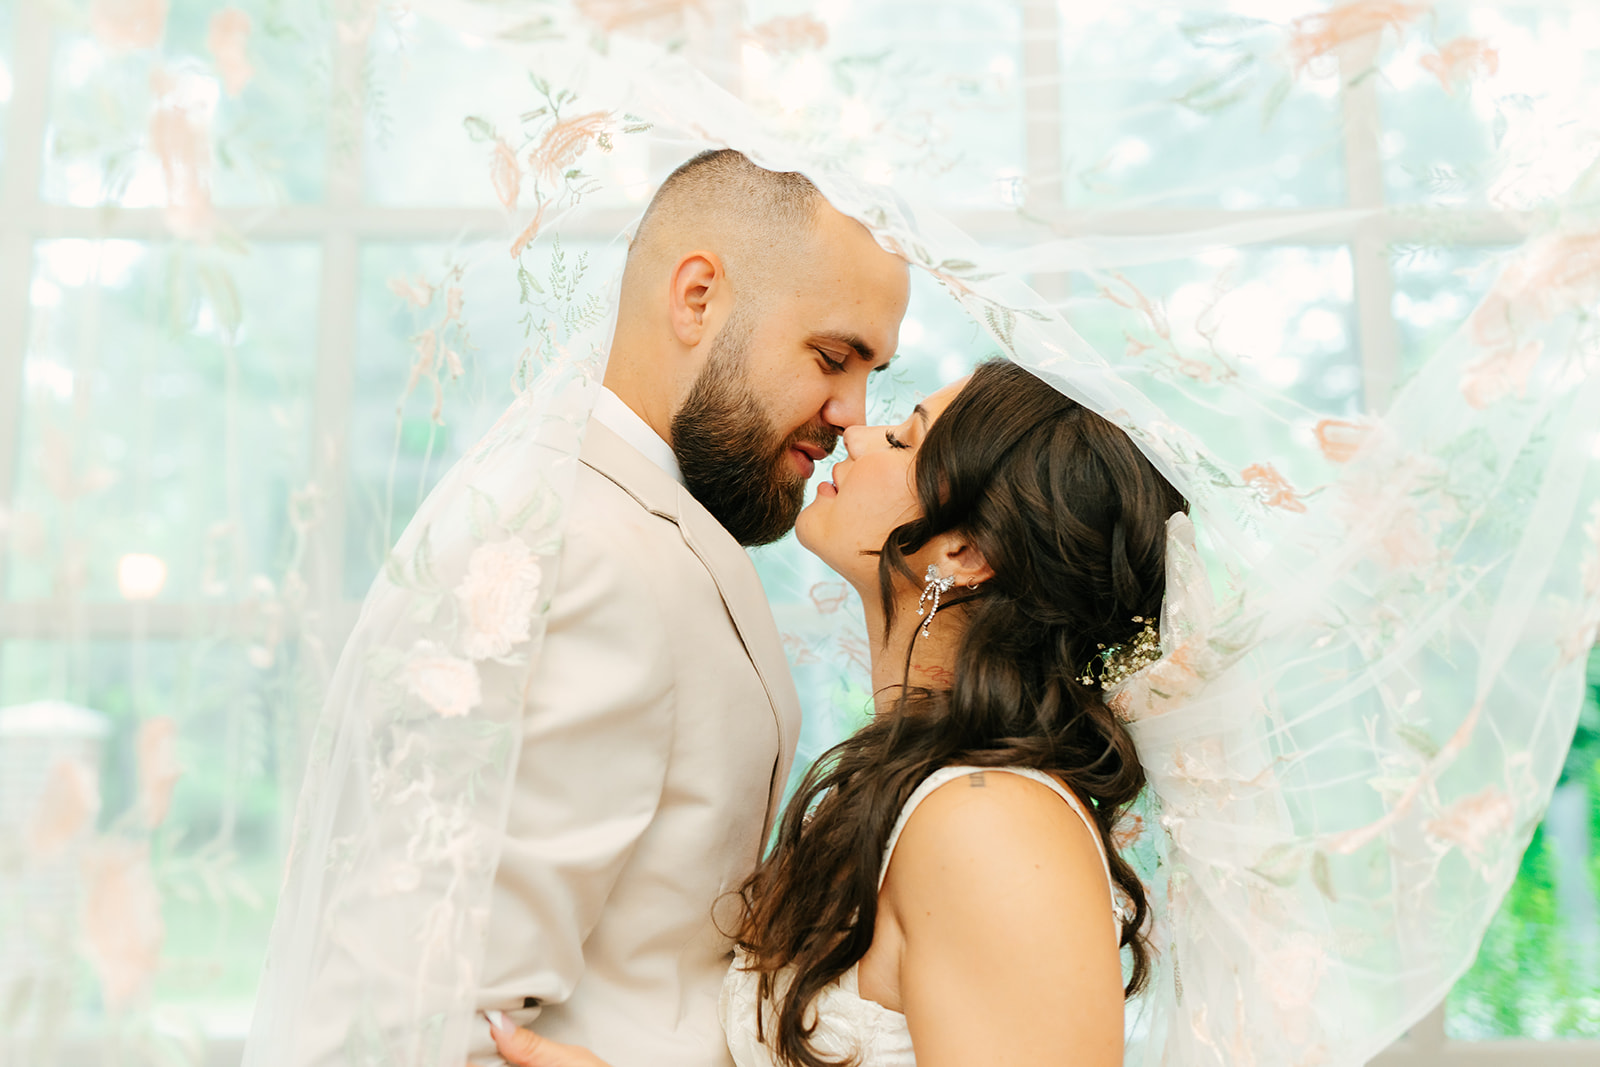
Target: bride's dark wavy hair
{"x":1071,"y":517}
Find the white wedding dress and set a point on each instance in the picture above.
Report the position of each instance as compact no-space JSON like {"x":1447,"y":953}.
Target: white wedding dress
{"x":849,"y":1024}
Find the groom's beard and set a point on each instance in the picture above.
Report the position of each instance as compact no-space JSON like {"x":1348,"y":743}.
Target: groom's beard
{"x":732,"y":459}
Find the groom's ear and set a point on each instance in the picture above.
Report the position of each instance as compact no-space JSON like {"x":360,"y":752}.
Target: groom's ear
{"x":696,"y":280}
{"x":962,"y":560}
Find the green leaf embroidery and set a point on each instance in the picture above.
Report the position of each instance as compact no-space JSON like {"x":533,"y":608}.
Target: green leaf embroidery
{"x":1281,"y":864}
{"x":1322,"y":876}
{"x":1418,"y":739}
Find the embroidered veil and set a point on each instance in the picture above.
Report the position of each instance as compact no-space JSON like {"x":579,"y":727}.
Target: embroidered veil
{"x":1373,"y":640}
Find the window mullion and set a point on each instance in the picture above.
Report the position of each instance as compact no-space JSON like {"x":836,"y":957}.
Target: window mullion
{"x":1379,"y":338}
{"x":1043,"y":119}
{"x":340,"y":278}
{"x":19,"y":201}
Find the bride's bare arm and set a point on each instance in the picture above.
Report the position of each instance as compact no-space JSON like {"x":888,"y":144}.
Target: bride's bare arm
{"x":1010,"y":954}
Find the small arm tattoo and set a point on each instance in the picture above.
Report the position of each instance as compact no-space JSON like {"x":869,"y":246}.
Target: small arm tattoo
{"x":975,"y":780}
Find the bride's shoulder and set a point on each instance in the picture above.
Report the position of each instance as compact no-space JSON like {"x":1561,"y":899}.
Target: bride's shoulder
{"x":989,"y":836}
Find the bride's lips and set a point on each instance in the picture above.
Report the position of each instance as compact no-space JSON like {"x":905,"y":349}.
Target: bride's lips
{"x":831,"y":487}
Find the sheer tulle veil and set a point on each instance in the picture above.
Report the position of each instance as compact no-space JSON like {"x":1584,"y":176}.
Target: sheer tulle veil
{"x":1372,"y":644}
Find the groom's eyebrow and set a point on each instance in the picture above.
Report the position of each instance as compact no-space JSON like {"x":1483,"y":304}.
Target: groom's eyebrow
{"x":853,"y":341}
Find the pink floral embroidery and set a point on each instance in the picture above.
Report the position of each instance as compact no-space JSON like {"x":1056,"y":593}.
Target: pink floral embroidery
{"x":122,"y":926}
{"x":829,"y":597}
{"x":789,"y":34}
{"x":447,"y":684}
{"x":1341,"y":440}
{"x":427,"y":343}
{"x":526,"y":237}
{"x":498,"y":597}
{"x":156,"y":747}
{"x":1557,"y":273}
{"x":1475,"y":824}
{"x":180,"y":138}
{"x":1157,"y":322}
{"x":1346,"y":842}
{"x":1297,"y":967}
{"x":1501,"y":373}
{"x":225,"y":39}
{"x":798,"y":651}
{"x":610,"y":15}
{"x":1461,"y":58}
{"x":452,"y":304}
{"x":1410,"y":541}
{"x":418,"y":295}
{"x":66,"y":808}
{"x":1128,"y":832}
{"x":505,"y":174}
{"x":854,"y":649}
{"x":1271,"y":488}
{"x":564,"y":142}
{"x":1314,"y":36}
{"x":127,"y":25}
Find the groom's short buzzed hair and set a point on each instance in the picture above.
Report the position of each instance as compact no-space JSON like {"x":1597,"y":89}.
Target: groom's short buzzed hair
{"x":726,"y":179}
{"x":759,"y":217}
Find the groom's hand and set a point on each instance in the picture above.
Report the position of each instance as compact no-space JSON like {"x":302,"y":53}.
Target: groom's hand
{"x":524,"y":1048}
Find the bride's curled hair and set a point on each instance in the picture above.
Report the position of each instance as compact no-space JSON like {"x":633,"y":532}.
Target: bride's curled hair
{"x":1071,"y":517}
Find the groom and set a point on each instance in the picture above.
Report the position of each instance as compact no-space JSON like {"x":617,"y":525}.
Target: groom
{"x":661,"y":723}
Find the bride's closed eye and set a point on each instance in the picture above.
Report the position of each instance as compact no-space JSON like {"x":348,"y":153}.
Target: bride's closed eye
{"x":894,"y":442}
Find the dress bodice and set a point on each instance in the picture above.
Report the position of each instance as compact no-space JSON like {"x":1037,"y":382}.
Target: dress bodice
{"x":848,"y":1024}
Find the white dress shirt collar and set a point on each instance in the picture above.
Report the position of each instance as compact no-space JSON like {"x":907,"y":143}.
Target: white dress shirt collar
{"x":620,"y":419}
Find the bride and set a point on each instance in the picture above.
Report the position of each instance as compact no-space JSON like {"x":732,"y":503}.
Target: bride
{"x":944,"y":887}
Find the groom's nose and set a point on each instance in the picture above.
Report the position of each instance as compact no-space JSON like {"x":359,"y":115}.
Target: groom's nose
{"x":846,"y":405}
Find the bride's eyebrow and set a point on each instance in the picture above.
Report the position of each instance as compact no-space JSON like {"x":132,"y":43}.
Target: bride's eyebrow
{"x":922,"y":413}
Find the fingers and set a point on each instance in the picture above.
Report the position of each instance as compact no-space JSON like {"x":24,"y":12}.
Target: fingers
{"x":524,"y":1048}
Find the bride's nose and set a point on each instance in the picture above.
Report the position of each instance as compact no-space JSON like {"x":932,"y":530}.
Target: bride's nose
{"x":856,"y":438}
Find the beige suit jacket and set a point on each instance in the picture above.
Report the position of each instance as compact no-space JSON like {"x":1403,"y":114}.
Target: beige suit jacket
{"x":658,"y":736}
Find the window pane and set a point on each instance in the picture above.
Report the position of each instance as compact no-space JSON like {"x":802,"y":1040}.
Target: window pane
{"x":927,"y":95}
{"x":166,"y":412}
{"x":136,"y":113}
{"x":1482,"y":88}
{"x":213,"y":860}
{"x":1279,"y":317}
{"x":1185,"y":108}
{"x":418,"y":148}
{"x":1435,"y":290}
{"x":405,"y":432}
{"x":1538,"y":972}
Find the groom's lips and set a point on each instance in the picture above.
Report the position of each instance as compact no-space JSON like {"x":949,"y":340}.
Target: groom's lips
{"x":806,"y":456}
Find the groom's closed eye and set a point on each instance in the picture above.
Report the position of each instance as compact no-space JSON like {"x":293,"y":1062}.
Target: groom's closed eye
{"x":839,"y":340}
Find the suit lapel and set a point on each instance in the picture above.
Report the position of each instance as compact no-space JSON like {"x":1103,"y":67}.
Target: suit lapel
{"x":741,"y":591}
{"x":730,"y":568}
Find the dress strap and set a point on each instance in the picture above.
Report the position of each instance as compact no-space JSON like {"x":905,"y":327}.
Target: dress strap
{"x":945,"y":775}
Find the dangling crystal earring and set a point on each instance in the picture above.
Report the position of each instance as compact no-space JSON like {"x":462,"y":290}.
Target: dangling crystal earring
{"x":932,"y":591}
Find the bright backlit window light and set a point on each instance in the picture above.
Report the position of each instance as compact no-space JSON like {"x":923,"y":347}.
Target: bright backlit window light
{"x":141,"y":576}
